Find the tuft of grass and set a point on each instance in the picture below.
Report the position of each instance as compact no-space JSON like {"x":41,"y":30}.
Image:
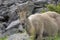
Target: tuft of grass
{"x":58,"y":37}
{"x":55,"y":8}
{"x":3,"y":38}
{"x":32,"y":38}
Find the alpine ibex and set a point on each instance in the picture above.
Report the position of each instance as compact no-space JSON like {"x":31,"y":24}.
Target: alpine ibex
{"x":36,"y":24}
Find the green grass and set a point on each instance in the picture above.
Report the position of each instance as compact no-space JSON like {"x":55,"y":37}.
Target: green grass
{"x":57,"y":38}
{"x":5,"y":38}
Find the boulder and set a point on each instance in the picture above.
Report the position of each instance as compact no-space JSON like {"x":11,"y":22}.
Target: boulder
{"x":19,"y":36}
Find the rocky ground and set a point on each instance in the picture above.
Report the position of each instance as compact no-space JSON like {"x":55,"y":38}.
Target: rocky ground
{"x":9,"y":19}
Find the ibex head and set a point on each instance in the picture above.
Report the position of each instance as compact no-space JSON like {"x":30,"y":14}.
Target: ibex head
{"x":24,"y":10}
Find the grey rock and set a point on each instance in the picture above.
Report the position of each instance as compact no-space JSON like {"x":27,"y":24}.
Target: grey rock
{"x":3,"y":10}
{"x":10,"y":2}
{"x":0,"y":2}
{"x":39,"y":0}
{"x":58,"y":1}
{"x":12,"y":17}
{"x":40,"y":3}
{"x":39,"y":10}
{"x":13,"y":24}
{"x":49,"y":1}
{"x":11,"y":31}
{"x":14,"y":27}
{"x":5,"y":17}
{"x":12,"y":13}
{"x":14,"y":30}
{"x":19,"y":36}
{"x":2,"y":29}
{"x":13,"y":8}
{"x":1,"y":18}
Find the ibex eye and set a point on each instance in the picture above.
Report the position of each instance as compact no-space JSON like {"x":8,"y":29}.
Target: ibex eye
{"x":22,"y":23}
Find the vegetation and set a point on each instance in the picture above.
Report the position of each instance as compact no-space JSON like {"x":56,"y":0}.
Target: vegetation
{"x":55,"y":8}
{"x":58,"y":37}
{"x":4,"y":38}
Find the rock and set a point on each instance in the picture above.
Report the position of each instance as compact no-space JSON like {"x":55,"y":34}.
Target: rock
{"x":18,"y":36}
{"x":12,"y":13}
{"x":39,"y":10}
{"x":2,"y":29}
{"x":11,"y":2}
{"x":40,"y":3}
{"x":13,"y":8}
{"x":13,"y":27}
{"x":0,"y":2}
{"x":49,"y":1}
{"x":1,"y":18}
{"x":58,"y":1}
{"x":11,"y":31}
{"x":3,"y":10}
{"x":13,"y":24}
{"x":8,"y":2}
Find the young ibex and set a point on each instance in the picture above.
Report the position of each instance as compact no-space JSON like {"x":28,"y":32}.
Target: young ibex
{"x":36,"y":24}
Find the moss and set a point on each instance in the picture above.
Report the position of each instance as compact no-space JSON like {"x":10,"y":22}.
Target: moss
{"x":55,"y":8}
{"x":3,"y":38}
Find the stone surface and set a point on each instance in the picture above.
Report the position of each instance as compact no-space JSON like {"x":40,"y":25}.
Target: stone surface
{"x":13,"y":24}
{"x":0,"y":2}
{"x":18,"y":36}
